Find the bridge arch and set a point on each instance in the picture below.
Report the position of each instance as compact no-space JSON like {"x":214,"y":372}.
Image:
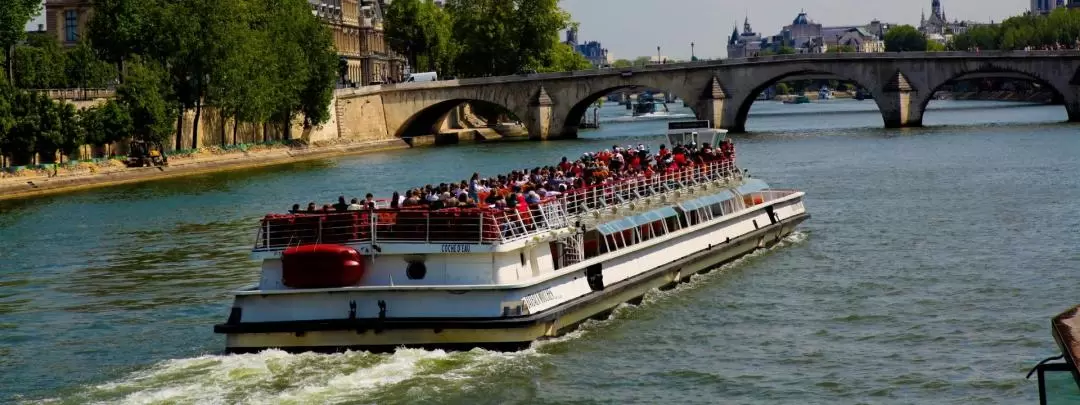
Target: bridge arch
{"x":429,"y":120}
{"x":990,"y":71}
{"x":580,"y":108}
{"x":743,"y":105}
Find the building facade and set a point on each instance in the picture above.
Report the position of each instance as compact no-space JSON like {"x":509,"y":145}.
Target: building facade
{"x":1039,"y":7}
{"x":66,"y":20}
{"x":745,"y":44}
{"x":806,"y":36}
{"x":593,"y":51}
{"x":358,"y":36}
{"x":938,"y":28}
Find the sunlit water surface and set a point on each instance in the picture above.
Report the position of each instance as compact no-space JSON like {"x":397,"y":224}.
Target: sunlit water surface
{"x":928,"y":273}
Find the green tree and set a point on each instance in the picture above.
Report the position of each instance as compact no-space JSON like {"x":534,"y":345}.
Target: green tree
{"x":642,"y":60}
{"x":105,"y":124}
{"x":842,"y":49}
{"x":14,"y":14}
{"x":119,"y":29}
{"x":565,"y":59}
{"x":7,"y":119}
{"x":58,"y":128}
{"x":143,"y":94}
{"x":978,"y":37}
{"x":84,"y":70}
{"x":905,"y":38}
{"x":39,"y":64}
{"x":25,"y":128}
{"x":421,"y":30}
{"x":622,"y":63}
{"x":783,"y":89}
{"x":935,"y":46}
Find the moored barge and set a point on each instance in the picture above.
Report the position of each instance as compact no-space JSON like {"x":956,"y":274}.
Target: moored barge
{"x":381,"y":278}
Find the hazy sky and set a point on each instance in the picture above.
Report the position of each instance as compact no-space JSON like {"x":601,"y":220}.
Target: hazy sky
{"x":631,"y":28}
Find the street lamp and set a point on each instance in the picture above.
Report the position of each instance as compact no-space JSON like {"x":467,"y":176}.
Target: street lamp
{"x":692,"y":57}
{"x":658,"y":60}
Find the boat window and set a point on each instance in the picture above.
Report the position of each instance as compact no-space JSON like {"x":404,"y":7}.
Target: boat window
{"x":717,"y":210}
{"x":416,"y":270}
{"x":671,"y":224}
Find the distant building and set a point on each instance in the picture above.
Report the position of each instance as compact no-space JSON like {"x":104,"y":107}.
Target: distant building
{"x":1039,"y":7}
{"x":66,"y":19}
{"x":938,"y":27}
{"x":806,"y":36}
{"x":358,"y":37}
{"x":596,"y":54}
{"x":745,"y":44}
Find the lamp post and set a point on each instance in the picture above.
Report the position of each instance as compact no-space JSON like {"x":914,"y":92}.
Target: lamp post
{"x":692,"y":57}
{"x":658,"y":60}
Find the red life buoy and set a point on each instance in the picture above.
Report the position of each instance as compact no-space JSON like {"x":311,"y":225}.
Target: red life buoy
{"x":321,"y":266}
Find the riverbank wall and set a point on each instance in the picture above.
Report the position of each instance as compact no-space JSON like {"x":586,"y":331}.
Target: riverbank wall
{"x":113,"y":172}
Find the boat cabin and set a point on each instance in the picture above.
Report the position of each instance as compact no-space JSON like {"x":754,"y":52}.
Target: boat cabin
{"x":694,"y":132}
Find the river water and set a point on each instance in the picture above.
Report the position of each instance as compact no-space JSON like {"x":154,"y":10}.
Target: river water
{"x":928,"y":273}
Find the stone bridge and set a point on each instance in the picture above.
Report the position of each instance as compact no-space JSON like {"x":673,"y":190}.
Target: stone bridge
{"x":722,"y":91}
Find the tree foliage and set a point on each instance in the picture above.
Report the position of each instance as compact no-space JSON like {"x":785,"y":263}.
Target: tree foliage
{"x":905,"y":38}
{"x":482,"y":37}
{"x":39,"y":64}
{"x":14,"y":14}
{"x":622,"y":63}
{"x":143,"y":95}
{"x":1059,"y":29}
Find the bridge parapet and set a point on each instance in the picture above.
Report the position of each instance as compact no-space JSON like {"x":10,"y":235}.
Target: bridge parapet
{"x":723,"y":90}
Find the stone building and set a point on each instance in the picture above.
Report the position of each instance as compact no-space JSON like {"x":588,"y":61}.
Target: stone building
{"x":66,"y":19}
{"x":593,"y":51}
{"x":359,"y":38}
{"x":745,"y":44}
{"x":1039,"y":7}
{"x":938,"y":27}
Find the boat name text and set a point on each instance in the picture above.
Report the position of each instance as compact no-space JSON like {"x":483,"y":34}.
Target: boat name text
{"x":539,"y":298}
{"x":456,"y":248}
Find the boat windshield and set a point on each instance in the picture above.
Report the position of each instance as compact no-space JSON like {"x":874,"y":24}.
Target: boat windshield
{"x":694,"y":132}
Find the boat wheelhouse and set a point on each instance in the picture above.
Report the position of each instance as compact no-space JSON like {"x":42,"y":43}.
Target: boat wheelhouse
{"x":456,"y":278}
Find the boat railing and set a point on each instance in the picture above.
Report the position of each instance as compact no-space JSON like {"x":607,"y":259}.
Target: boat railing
{"x":586,"y":200}
{"x":476,"y":225}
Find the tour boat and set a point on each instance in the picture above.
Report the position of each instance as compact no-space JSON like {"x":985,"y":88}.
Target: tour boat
{"x":454,"y":279}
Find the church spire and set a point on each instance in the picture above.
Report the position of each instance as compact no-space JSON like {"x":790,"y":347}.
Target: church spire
{"x":746,"y":26}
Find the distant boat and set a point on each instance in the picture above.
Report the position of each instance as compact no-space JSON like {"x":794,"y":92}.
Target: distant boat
{"x":863,"y":94}
{"x":825,"y":94}
{"x":798,"y":100}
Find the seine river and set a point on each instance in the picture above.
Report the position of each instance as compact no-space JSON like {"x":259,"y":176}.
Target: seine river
{"x":928,"y":274}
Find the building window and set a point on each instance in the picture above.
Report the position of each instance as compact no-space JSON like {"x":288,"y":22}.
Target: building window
{"x":70,"y":25}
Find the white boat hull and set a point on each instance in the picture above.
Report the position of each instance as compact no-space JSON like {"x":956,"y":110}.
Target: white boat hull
{"x":381,"y":320}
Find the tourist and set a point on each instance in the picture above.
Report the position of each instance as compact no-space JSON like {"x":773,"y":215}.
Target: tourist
{"x":395,"y":201}
{"x":369,"y":201}
{"x":311,"y":207}
{"x":295,"y":209}
{"x":341,"y":206}
{"x":355,"y":205}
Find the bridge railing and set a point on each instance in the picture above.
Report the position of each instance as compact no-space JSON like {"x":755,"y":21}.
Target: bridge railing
{"x":717,"y":63}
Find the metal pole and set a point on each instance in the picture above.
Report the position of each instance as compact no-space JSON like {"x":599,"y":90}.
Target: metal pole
{"x":692,"y":57}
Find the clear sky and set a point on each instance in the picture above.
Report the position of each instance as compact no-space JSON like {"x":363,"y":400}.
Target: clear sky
{"x":631,"y":28}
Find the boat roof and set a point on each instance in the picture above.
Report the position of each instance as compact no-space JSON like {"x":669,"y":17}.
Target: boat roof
{"x":698,"y":131}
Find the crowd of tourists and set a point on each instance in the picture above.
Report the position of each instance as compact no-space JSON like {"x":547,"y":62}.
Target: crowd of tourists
{"x":521,"y":188}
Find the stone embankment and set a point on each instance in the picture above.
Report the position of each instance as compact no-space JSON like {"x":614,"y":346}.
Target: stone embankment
{"x":30,"y":183}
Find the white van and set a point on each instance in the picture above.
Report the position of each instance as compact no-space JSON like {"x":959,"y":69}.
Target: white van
{"x":423,"y":77}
